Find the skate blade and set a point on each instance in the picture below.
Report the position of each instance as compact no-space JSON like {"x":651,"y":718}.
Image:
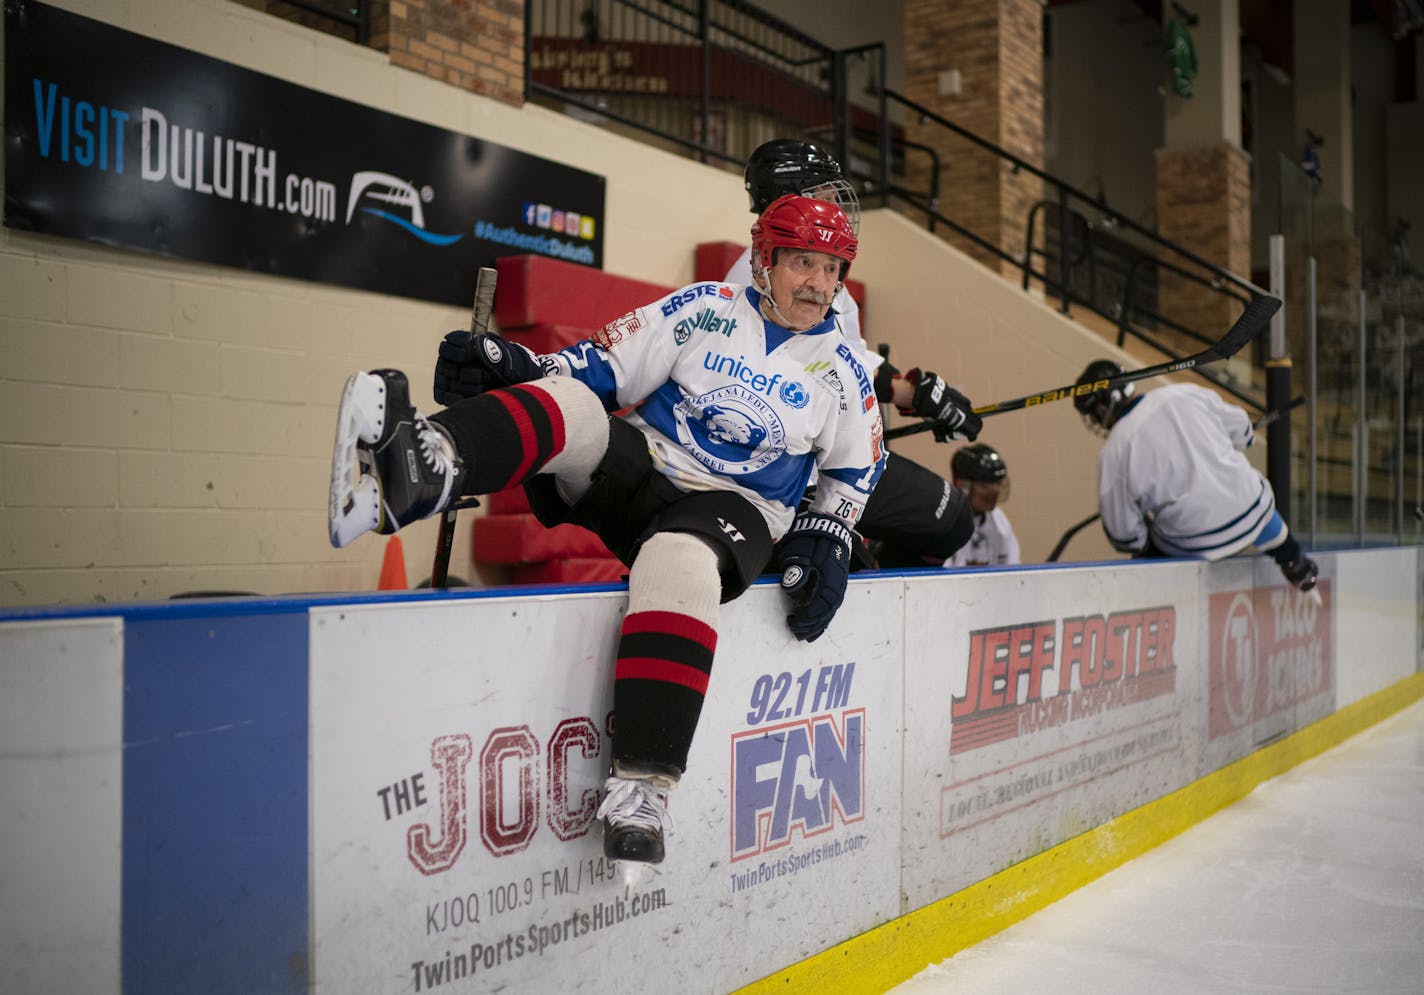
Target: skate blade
{"x":636,"y":874}
{"x":354,"y":498}
{"x":1313,"y":595}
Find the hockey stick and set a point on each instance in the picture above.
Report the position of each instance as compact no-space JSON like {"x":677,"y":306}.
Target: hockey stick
{"x":479,"y":324}
{"x":1068,"y":536}
{"x":1253,"y":322}
{"x":884,"y":350}
{"x":1271,"y":417}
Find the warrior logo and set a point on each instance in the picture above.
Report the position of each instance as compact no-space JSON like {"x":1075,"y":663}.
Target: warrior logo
{"x":731,"y":530}
{"x":730,"y":430}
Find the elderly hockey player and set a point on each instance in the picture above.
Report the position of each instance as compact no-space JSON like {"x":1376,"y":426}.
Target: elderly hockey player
{"x":1173,"y":480}
{"x":914,"y":518}
{"x":980,"y":472}
{"x":690,"y":489}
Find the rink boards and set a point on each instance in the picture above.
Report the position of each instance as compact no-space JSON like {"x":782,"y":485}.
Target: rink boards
{"x":396,"y":793}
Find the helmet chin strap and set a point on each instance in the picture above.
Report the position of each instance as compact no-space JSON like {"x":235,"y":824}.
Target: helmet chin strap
{"x":761,"y":276}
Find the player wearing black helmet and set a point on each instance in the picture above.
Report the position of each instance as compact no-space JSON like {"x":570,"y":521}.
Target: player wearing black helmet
{"x":980,"y":471}
{"x":785,"y":165}
{"x":915,"y":517}
{"x":1173,"y":479}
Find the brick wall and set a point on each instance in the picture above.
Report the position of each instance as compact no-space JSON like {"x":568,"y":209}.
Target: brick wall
{"x":1204,"y":204}
{"x":997,"y":49}
{"x":477,"y":45}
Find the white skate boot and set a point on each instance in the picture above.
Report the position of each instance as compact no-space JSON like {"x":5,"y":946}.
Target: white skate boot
{"x":390,"y":466}
{"x":635,"y":819}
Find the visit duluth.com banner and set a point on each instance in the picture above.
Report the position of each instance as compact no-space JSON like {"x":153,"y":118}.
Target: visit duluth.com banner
{"x":115,"y":138}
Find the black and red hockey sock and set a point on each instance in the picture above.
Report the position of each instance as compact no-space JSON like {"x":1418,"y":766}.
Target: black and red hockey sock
{"x":665,"y":653}
{"x":659,"y":683}
{"x":508,"y":435}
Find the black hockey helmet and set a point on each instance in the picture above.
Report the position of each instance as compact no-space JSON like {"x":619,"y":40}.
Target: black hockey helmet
{"x":1101,"y":407}
{"x":785,"y":165}
{"x":979,"y":462}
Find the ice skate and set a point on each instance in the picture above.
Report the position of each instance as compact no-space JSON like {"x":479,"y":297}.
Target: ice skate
{"x":635,"y":820}
{"x":390,"y":466}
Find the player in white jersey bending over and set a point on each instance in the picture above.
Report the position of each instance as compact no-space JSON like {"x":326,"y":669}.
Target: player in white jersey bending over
{"x":914,"y":518}
{"x":690,"y":489}
{"x":981,"y":472}
{"x":1173,"y":480}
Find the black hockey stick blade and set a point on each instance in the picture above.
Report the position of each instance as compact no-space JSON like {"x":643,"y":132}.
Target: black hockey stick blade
{"x":1252,"y":322}
{"x":479,"y":322}
{"x":1068,"y":536}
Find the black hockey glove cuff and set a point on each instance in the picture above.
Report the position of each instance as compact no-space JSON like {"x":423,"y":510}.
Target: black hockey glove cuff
{"x":885,"y":377}
{"x":814,"y":558}
{"x":470,"y":365}
{"x":936,"y":400}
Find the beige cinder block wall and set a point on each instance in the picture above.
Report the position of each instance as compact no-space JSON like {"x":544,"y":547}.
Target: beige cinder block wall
{"x":166,"y":426}
{"x":940,"y":310}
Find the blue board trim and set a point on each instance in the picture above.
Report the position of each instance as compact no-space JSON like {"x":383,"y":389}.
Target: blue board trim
{"x":214,"y":867}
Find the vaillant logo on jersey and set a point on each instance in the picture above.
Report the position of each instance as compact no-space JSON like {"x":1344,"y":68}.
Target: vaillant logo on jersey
{"x":682,"y":298}
{"x":705,"y":320}
{"x":386,"y":189}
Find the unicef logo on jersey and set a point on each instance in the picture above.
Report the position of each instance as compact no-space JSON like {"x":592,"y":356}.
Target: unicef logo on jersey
{"x":794,"y":395}
{"x":730,"y":430}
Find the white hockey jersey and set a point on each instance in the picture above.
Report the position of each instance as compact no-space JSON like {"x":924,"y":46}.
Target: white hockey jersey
{"x":992,"y":544}
{"x":847,"y":311}
{"x":729,"y":400}
{"x":1172,"y":468}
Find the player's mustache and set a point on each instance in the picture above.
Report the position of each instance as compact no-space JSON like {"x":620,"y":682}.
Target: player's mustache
{"x":813,"y":296}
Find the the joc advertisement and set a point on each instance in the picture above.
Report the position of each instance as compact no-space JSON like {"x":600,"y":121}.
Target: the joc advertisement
{"x":457,"y":759}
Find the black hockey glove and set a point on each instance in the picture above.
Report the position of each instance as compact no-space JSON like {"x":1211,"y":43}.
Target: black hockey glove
{"x":940,"y":403}
{"x":885,"y":377}
{"x":814,"y":557}
{"x":470,"y":365}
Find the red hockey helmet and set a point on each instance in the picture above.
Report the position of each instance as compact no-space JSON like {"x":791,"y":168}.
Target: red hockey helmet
{"x":796,"y":222}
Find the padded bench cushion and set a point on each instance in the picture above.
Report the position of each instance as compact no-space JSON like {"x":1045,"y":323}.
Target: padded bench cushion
{"x":535,"y":290}
{"x":521,"y":539}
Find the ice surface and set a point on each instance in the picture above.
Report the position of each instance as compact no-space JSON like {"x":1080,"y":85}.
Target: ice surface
{"x":1312,"y":883}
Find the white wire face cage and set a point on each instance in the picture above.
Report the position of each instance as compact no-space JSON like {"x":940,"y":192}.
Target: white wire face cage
{"x":840,"y":193}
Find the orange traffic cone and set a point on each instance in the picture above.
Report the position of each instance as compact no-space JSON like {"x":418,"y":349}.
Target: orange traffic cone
{"x":393,"y":567}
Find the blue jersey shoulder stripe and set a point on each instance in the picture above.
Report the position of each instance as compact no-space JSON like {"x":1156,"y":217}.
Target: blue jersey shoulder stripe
{"x":590,"y":366}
